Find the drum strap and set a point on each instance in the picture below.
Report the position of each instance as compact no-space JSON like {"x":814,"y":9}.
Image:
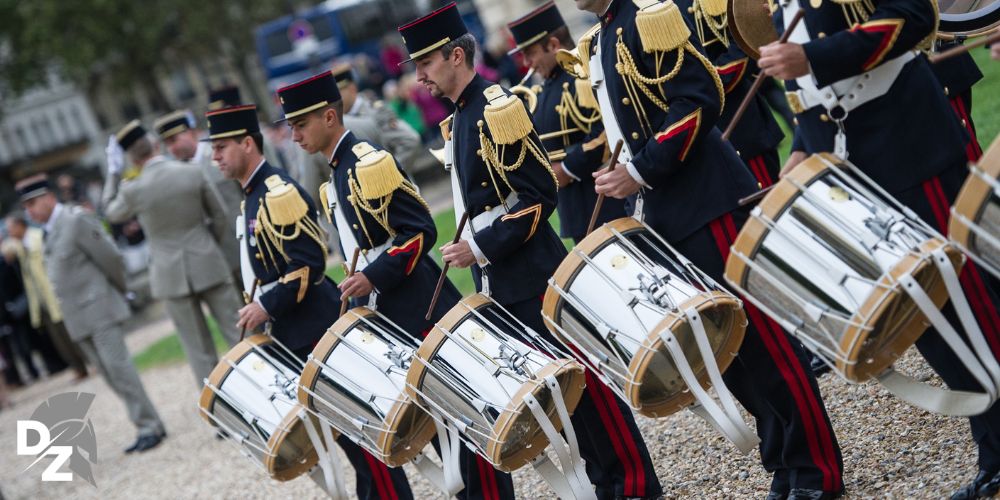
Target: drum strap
{"x":448,"y":477}
{"x":331,"y":478}
{"x":572,"y":480}
{"x":726,"y":419}
{"x":979,"y":360}
{"x":349,"y":243}
{"x":246,"y":270}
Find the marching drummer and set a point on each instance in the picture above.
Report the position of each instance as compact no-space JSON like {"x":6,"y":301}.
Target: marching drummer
{"x":509,"y":243}
{"x":567,"y":120}
{"x":378,"y":211}
{"x":686,"y":183}
{"x":923,"y":168}
{"x":757,"y":135}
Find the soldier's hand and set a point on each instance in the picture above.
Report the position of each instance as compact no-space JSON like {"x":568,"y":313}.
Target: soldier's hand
{"x":617,"y":183}
{"x":793,"y":159}
{"x":458,"y":255}
{"x":786,"y":61}
{"x":561,"y":175}
{"x":357,"y":285}
{"x":251,"y":316}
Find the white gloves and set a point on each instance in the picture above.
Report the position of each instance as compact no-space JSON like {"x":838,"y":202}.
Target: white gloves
{"x":116,"y":157}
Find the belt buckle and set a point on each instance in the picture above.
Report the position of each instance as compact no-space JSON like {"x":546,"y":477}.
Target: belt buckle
{"x":795,"y":102}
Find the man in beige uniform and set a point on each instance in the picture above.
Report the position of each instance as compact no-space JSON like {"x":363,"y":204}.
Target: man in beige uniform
{"x":43,"y":306}
{"x":88,"y":276}
{"x":180,"y":212}
{"x":182,"y":139}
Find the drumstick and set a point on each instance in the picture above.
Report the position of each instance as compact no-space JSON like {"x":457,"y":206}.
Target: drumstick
{"x":756,"y":196}
{"x":961,"y":49}
{"x":444,"y":270}
{"x":253,"y":290}
{"x":760,"y":80}
{"x":350,"y":272}
{"x":600,"y":197}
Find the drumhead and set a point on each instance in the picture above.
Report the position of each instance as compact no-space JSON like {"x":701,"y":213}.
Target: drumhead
{"x":656,"y":388}
{"x":407,"y":428}
{"x":223,"y":368}
{"x":968,"y":18}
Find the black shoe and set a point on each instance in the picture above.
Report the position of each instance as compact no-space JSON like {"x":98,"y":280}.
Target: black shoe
{"x":145,"y":443}
{"x":776,"y":495}
{"x":979,"y":487}
{"x":818,"y":367}
{"x":807,"y":494}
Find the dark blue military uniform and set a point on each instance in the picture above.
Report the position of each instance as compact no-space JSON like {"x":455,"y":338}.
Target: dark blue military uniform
{"x":693,"y":181}
{"x":404,"y":275}
{"x":923,"y":168}
{"x":957,"y":75}
{"x":585,"y":153}
{"x":757,"y":135}
{"x":303,"y":307}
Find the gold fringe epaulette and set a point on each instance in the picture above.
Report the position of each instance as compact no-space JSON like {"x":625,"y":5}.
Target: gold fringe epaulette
{"x":583,"y":46}
{"x":661,"y":26}
{"x":505,"y":116}
{"x":282,"y":217}
{"x":324,"y":200}
{"x":714,"y":8}
{"x":445,"y":126}
{"x":585,"y":94}
{"x":373,"y":181}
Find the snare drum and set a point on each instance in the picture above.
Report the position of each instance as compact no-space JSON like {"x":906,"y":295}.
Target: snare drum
{"x":615,"y":293}
{"x":356,"y":380}
{"x":823,"y":255}
{"x":251,"y":396}
{"x":472,"y":369}
{"x":975,"y":217}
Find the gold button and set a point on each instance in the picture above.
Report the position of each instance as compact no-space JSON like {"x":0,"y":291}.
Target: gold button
{"x":946,"y":91}
{"x":635,"y":135}
{"x":964,"y":123}
{"x":258,"y":256}
{"x":821,"y":35}
{"x":485,"y":184}
{"x":482,"y":262}
{"x":626,"y":101}
{"x":824,"y":118}
{"x":355,"y":226}
{"x":565,"y":85}
{"x":365,"y":251}
{"x":487,"y":208}
{"x":795,"y":121}
{"x":691,"y":9}
{"x":479,"y":123}
{"x":618,"y":31}
{"x":479,"y":152}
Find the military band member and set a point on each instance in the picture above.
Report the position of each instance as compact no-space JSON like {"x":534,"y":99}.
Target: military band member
{"x":757,"y":135}
{"x":377,"y":210}
{"x":294,"y":299}
{"x":567,"y":119}
{"x":686,"y":183}
{"x":182,"y":138}
{"x":88,"y":277}
{"x":923,"y":168}
{"x":173,"y":200}
{"x":510,"y":245}
{"x":229,"y":96}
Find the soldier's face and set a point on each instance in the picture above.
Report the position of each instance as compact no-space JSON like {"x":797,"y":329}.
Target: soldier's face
{"x":40,"y":208}
{"x":15,"y":229}
{"x":314,"y":131}
{"x":541,"y":57}
{"x":182,"y":146}
{"x":231,"y":157}
{"x":434,"y":72}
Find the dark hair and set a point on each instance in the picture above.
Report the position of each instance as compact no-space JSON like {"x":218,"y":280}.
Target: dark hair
{"x":337,"y":107}
{"x":565,"y":39}
{"x":467,"y":43}
{"x":258,"y":140}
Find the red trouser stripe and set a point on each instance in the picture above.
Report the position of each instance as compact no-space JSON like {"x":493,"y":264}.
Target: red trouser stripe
{"x":759,"y":168}
{"x":619,"y":436}
{"x":488,"y":487}
{"x":972,"y":282}
{"x":972,"y":150}
{"x":380,"y":476}
{"x":819,"y":437}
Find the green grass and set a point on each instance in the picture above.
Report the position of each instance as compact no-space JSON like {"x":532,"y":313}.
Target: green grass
{"x":986,"y":98}
{"x":168,"y":350}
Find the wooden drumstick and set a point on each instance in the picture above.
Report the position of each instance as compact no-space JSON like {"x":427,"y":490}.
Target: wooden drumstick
{"x":350,"y":272}
{"x":760,"y":80}
{"x":754,"y":198}
{"x":444,"y":270}
{"x":600,"y":197}
{"x":961,"y":49}
{"x":253,"y":290}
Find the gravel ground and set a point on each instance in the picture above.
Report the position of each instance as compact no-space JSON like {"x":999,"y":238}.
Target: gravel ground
{"x":890,"y":450}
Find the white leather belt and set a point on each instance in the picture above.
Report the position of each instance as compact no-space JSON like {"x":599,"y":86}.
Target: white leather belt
{"x":486,"y":218}
{"x":850,"y":93}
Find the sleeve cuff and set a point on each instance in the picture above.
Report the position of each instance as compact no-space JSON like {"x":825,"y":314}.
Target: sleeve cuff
{"x":630,"y":167}
{"x":478,"y":252}
{"x":569,"y":172}
{"x":261,"y":304}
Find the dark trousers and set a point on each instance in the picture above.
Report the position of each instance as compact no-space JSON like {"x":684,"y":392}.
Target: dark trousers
{"x":617,"y":461}
{"x":931,"y":200}
{"x":765,"y":167}
{"x":962,"y":105}
{"x":771,"y":379}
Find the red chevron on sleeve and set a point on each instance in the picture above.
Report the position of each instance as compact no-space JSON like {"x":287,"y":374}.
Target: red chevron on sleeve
{"x":732,"y":73}
{"x":688,"y":125}
{"x":535,"y":210}
{"x":889,"y":30}
{"x":415,"y":246}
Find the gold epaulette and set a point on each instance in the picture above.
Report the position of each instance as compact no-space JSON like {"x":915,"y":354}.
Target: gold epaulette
{"x":445,"y":126}
{"x":324,"y":200}
{"x":285,"y":205}
{"x":661,"y":26}
{"x":585,"y":94}
{"x":583,"y":46}
{"x":376,"y":172}
{"x":713,"y":8}
{"x":505,"y":116}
